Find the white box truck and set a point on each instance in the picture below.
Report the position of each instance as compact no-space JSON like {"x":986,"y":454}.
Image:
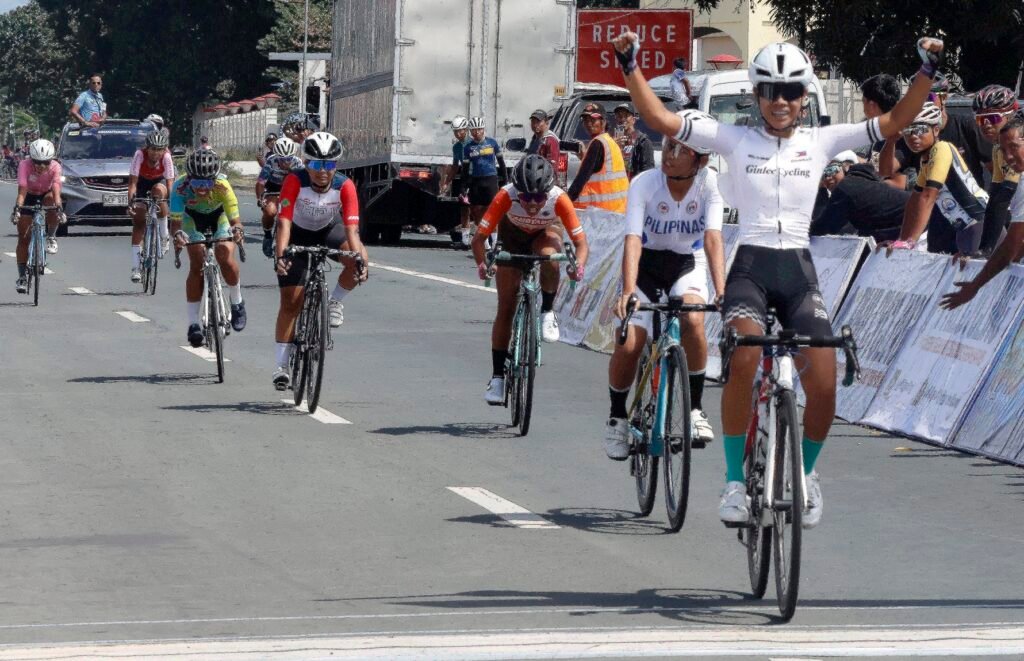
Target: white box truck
{"x":401,"y":69}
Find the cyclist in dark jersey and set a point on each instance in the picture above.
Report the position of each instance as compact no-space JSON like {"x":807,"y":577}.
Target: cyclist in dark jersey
{"x":483,"y":167}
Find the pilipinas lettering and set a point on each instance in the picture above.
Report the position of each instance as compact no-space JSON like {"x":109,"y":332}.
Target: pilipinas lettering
{"x":658,"y":226}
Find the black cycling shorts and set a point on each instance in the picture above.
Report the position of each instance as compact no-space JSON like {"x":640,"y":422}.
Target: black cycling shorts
{"x":271,"y":187}
{"x":762,"y":278}
{"x":31,"y":199}
{"x":332,"y":236}
{"x":482,"y":190}
{"x":659,"y":270}
{"x":143,"y":186}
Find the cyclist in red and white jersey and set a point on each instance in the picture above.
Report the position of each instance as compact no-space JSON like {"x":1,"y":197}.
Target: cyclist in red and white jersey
{"x":318,"y":207}
{"x":151,"y":174}
{"x":775,"y":169}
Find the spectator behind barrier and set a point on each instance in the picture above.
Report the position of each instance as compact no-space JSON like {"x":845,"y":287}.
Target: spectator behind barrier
{"x":637,"y":148}
{"x":879,"y":95}
{"x":993,"y":106}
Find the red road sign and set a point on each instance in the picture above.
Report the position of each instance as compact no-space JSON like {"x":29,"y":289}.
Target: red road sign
{"x":665,"y":34}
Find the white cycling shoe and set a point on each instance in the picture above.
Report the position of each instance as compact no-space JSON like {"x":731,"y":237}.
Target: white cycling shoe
{"x":735,"y":506}
{"x":549,"y":326}
{"x":337,"y":312}
{"x":136,"y":275}
{"x":616,"y":439}
{"x":281,"y":379}
{"x":703,"y":433}
{"x":51,"y":245}
{"x":815,"y":503}
{"x":495,"y":393}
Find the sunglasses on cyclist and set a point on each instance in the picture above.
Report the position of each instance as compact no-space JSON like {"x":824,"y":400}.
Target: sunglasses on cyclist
{"x":788,"y":91}
{"x":43,"y":163}
{"x":321,"y":166}
{"x":832,"y":170}
{"x":533,"y":198}
{"x":916,"y":130}
{"x":201,"y":184}
{"x":991,"y":118}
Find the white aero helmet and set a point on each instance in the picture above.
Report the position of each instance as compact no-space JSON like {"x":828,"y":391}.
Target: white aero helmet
{"x":285,"y":146}
{"x":692,"y":115}
{"x":930,"y":114}
{"x":155,"y":119}
{"x":41,"y":150}
{"x":459,"y":122}
{"x":781,"y":62}
{"x":476,"y":122}
{"x":321,"y":146}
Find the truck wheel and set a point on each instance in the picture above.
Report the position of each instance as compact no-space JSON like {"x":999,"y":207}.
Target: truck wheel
{"x":391,"y":235}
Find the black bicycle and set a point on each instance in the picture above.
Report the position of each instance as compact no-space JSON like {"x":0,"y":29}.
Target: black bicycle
{"x":773,"y":460}
{"x":313,"y":329}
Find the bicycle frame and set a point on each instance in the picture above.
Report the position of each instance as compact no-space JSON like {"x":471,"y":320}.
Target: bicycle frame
{"x":211,"y":273}
{"x":37,"y":236}
{"x":529,"y":288}
{"x":777,"y":370}
{"x":655,"y":367}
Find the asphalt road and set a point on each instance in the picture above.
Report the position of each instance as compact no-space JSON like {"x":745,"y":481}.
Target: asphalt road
{"x":150,"y":510}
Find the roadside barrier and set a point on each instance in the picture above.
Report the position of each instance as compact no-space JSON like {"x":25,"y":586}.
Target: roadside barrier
{"x":954,"y":379}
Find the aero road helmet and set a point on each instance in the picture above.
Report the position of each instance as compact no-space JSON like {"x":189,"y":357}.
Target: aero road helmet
{"x":459,"y":122}
{"x":533,"y":174}
{"x":781,"y":62}
{"x":930,"y":114}
{"x":321,"y":146}
{"x":202,"y":164}
{"x":41,"y":150}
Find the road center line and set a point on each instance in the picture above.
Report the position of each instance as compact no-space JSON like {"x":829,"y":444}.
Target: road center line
{"x":321,"y":415}
{"x":204,"y":353}
{"x":435,"y":278}
{"x":82,"y":291}
{"x":131,"y":316}
{"x":10,"y":254}
{"x":517,"y":515}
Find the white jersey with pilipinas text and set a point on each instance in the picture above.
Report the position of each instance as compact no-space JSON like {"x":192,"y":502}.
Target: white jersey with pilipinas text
{"x":1017,"y":205}
{"x":665,"y":224}
{"x":775,"y":180}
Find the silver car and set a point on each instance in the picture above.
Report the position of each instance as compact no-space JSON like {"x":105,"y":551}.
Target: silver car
{"x":95,"y":166}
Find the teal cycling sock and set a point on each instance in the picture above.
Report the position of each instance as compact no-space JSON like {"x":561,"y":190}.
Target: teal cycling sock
{"x":734,"y":448}
{"x":811,"y":451}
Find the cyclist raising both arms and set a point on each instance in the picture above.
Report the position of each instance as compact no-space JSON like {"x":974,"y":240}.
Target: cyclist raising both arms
{"x":203,"y":201}
{"x":38,"y":183}
{"x":319,"y":207}
{"x":775,"y":168}
{"x":151,"y":175}
{"x":673,"y":219}
{"x":524,"y":214}
{"x":282,"y":160}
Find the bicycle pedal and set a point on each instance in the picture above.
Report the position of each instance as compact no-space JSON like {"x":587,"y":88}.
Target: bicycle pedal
{"x":736,"y":524}
{"x":698,"y":444}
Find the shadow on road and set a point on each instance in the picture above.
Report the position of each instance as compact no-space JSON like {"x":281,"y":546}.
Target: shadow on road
{"x":457,"y":429}
{"x":605,"y":521}
{"x":151,"y":379}
{"x":262,"y":408}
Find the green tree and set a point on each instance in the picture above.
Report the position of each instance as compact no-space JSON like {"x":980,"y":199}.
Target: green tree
{"x":286,"y":36}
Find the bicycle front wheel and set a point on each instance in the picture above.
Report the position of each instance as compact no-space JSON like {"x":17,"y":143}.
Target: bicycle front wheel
{"x":676,"y":437}
{"x":512,"y":380}
{"x":216,"y":318}
{"x":789,"y":502}
{"x":643,"y":465}
{"x":316,"y":342}
{"x":151,"y":259}
{"x":528,"y":365}
{"x":756,"y":536}
{"x":39,"y":266}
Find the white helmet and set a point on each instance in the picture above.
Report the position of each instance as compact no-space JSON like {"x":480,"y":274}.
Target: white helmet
{"x":476,"y":122}
{"x":41,"y":150}
{"x":694,"y":115}
{"x":781,"y":62}
{"x":321,"y":146}
{"x":930,"y":114}
{"x":156,"y":120}
{"x":285,"y":146}
{"x":459,"y":122}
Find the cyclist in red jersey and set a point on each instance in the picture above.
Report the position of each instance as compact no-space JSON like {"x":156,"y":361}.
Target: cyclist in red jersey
{"x":151,"y":174}
{"x":318,"y":207}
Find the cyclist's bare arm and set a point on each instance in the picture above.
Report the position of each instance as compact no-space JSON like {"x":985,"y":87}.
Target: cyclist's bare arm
{"x":919,"y":209}
{"x":714,"y":248}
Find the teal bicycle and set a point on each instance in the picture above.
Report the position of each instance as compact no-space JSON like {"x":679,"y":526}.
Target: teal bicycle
{"x":37,"y":248}
{"x":151,"y":249}
{"x":524,"y":347}
{"x":659,"y":418}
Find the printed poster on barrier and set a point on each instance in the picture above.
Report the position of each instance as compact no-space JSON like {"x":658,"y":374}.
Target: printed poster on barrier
{"x":945,"y":357}
{"x":601,"y":334}
{"x":885,"y":301}
{"x":713,"y":321}
{"x":835,"y":260}
{"x":994,"y":423}
{"x":577,"y":306}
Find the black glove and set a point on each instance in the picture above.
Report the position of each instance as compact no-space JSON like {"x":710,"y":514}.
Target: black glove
{"x":930,"y":60}
{"x":628,"y":59}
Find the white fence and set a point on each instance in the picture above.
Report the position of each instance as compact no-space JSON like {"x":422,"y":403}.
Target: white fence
{"x":241,"y":132}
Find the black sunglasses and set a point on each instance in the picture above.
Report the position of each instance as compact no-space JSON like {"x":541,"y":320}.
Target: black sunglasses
{"x":788,"y":91}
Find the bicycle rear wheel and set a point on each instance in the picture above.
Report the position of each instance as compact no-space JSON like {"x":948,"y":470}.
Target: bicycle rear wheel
{"x":316,"y":341}
{"x":512,"y":372}
{"x":676,"y":437}
{"x":643,"y":465}
{"x":300,"y":368}
{"x":528,"y":366}
{"x":216,"y":320}
{"x":756,"y":537}
{"x":789,"y":502}
{"x":151,"y":259}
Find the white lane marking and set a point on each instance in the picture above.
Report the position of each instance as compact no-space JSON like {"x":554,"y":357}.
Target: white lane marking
{"x":564,"y":643}
{"x":204,"y":353}
{"x":131,"y":316}
{"x":82,"y":291}
{"x":321,"y":415}
{"x":10,"y":254}
{"x":515,"y":514}
{"x":435,"y":278}
{"x":47,"y":271}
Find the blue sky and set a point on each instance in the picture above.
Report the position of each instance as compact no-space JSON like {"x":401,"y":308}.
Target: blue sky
{"x":7,"y":5}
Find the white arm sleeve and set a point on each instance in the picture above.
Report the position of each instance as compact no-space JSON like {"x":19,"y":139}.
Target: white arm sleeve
{"x":840,"y":137}
{"x":1017,"y":205}
{"x":709,"y":134}
{"x":636,"y":202}
{"x":714,"y":206}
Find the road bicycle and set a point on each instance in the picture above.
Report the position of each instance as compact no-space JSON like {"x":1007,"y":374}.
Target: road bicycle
{"x":773,"y":459}
{"x":312,"y":338}
{"x":660,"y":424}
{"x":214,"y":319}
{"x":151,"y":249}
{"x":36,"y":264}
{"x":524,"y":348}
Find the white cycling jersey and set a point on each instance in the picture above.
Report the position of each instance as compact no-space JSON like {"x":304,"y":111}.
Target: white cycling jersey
{"x":775,"y":180}
{"x":1017,"y":205}
{"x":664,"y":224}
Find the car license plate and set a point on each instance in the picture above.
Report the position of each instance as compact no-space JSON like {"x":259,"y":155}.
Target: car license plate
{"x":115,"y":199}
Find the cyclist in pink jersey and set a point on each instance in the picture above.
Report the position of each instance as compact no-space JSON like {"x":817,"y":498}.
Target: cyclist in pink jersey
{"x":38,"y":183}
